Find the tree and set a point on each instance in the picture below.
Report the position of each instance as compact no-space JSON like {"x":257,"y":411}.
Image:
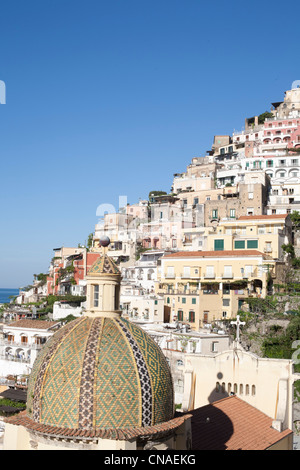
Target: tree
{"x":262,"y":117}
{"x":90,"y":240}
{"x":156,"y":193}
{"x":295,"y":218}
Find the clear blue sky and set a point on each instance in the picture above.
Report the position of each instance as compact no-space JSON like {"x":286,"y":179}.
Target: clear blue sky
{"x":109,"y":98}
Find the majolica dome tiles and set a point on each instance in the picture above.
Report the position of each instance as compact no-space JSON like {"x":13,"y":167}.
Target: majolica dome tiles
{"x":99,"y":373}
{"x":103,"y":265}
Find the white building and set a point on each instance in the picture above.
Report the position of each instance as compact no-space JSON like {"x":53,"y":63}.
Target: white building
{"x":20,"y":343}
{"x":141,"y":307}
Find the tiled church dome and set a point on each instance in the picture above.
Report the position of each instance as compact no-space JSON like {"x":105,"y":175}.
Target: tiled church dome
{"x":100,"y":373}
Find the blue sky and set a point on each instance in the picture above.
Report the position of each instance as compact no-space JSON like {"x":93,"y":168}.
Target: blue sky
{"x":109,"y":98}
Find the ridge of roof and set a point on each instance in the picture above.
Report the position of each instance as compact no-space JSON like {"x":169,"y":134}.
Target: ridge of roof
{"x":214,"y":254}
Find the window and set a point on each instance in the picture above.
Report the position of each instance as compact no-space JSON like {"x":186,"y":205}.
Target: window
{"x":210,"y":272}
{"x":227,"y":272}
{"x":250,"y":195}
{"x":170,"y":272}
{"x":180,"y":315}
{"x":214,"y":346}
{"x":183,"y":300}
{"x":214,"y":214}
{"x":219,"y":245}
{"x":252,"y":244}
{"x":226,"y":302}
{"x":248,"y":270}
{"x":179,"y":386}
{"x":192,"y":317}
{"x":186,"y":272}
{"x":96,"y":296}
{"x":232,"y":213}
{"x":179,"y":363}
{"x":226,"y":289}
{"x":194,"y":301}
{"x":239,"y":244}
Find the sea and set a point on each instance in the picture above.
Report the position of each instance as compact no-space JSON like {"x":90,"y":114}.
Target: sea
{"x":5,"y":295}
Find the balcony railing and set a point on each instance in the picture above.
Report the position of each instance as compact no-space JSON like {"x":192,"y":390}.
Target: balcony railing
{"x":13,"y":358}
{"x":227,"y":276}
{"x":19,"y":344}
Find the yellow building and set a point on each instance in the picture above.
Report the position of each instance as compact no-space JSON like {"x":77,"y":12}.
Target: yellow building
{"x":265,"y":233}
{"x":201,"y":287}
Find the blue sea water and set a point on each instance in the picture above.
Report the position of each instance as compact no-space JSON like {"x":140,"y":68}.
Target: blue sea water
{"x":6,"y":293}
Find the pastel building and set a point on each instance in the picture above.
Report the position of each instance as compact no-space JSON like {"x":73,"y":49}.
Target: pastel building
{"x":201,"y":287}
{"x":265,"y":233}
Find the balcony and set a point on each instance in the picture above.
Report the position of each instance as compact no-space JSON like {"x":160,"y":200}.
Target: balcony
{"x":227,"y":276}
{"x":19,"y":344}
{"x":169,"y":276}
{"x":209,"y":276}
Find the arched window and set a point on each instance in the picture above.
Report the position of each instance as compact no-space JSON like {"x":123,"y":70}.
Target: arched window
{"x":241,"y":389}
{"x":253,"y":391}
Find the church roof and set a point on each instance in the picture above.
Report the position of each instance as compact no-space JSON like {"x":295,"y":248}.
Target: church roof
{"x":233,"y":424}
{"x":100,"y":373}
{"x":103,"y":265}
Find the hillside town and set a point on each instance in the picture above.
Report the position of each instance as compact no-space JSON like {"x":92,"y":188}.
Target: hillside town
{"x":210,"y":270}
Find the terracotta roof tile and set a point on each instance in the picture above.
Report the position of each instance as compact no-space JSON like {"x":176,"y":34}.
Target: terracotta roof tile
{"x":214,"y":254}
{"x":39,"y":324}
{"x":233,"y":424}
{"x":22,"y":419}
{"x":262,"y":217}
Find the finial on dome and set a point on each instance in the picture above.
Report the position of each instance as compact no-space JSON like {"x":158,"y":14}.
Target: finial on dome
{"x":104,"y":242}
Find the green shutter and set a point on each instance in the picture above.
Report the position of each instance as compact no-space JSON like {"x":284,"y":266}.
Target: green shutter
{"x":219,"y":245}
{"x":193,"y":301}
{"x":192,"y":317}
{"x":252,"y":243}
{"x":239,"y":244}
